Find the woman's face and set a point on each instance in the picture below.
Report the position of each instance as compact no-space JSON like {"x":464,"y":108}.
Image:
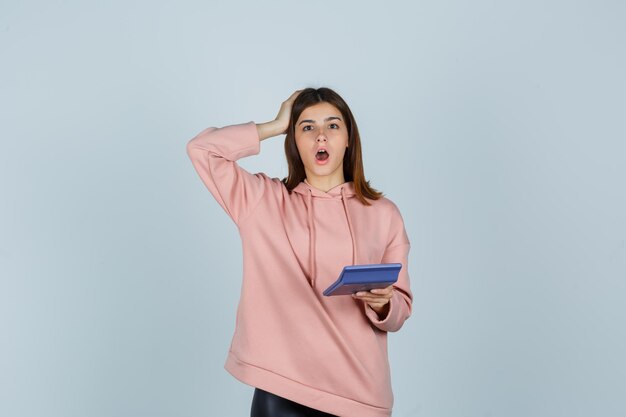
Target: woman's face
{"x":322,"y":126}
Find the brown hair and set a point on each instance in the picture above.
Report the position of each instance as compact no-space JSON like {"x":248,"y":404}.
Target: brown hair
{"x":352,"y":159}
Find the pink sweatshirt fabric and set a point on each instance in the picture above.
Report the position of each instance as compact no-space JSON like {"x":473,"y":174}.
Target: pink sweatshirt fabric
{"x":328,"y":353}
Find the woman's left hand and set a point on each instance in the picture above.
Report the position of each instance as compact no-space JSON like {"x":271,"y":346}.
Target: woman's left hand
{"x":377,"y":298}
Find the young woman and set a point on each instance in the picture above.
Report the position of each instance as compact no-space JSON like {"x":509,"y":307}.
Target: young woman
{"x":305,"y":353}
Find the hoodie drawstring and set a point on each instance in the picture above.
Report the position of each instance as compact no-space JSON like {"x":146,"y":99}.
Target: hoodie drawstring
{"x":311,"y":224}
{"x":309,"y":207}
{"x":345,"y":208}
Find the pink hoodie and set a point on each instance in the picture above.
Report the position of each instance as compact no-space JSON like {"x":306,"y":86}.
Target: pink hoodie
{"x":328,"y":353}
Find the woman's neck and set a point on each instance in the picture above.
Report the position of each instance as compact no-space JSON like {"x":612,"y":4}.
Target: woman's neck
{"x":324,"y":184}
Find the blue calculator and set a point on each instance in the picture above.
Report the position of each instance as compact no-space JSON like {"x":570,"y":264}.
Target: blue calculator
{"x":355,"y":278}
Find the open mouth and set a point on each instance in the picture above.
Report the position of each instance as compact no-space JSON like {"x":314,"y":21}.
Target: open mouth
{"x":321,"y":155}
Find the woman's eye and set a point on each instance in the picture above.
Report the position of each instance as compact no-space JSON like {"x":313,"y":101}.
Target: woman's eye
{"x":332,"y":124}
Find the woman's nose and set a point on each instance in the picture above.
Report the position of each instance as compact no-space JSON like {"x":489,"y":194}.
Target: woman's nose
{"x":321,"y":138}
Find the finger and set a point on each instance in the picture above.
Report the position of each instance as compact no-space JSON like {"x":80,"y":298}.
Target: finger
{"x":374,"y":291}
{"x":372,"y":294}
{"x":362,"y":294}
{"x":373,"y":299}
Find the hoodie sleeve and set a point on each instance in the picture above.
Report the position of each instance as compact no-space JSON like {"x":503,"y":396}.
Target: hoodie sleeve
{"x":213,"y":153}
{"x":401,"y":302}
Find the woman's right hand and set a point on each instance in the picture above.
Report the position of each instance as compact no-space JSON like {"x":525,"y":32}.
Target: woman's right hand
{"x":279,"y":125}
{"x":282,"y":119}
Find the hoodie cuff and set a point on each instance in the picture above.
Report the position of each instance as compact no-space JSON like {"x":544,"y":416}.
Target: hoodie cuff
{"x":239,"y":141}
{"x":231,"y":142}
{"x":373,"y":316}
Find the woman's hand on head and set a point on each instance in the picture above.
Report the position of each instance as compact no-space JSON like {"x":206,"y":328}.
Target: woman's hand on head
{"x":282,"y":118}
{"x":279,"y":125}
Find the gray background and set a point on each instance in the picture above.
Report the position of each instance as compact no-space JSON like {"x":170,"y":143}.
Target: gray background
{"x":497,"y":127}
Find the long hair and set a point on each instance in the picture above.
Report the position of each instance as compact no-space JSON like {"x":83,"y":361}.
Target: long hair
{"x":352,"y":159}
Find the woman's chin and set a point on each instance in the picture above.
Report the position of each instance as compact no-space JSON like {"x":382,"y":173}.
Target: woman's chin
{"x":322,"y":170}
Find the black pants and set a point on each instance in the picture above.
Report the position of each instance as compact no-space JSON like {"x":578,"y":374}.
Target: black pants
{"x":266,"y":404}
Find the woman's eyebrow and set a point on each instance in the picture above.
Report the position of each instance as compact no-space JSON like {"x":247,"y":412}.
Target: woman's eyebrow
{"x":326,"y":119}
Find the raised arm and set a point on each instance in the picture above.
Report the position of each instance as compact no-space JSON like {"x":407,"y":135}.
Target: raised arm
{"x":215,"y":150}
{"x":213,"y":153}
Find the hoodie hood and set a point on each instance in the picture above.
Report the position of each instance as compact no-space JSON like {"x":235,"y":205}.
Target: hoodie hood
{"x":339,"y":192}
